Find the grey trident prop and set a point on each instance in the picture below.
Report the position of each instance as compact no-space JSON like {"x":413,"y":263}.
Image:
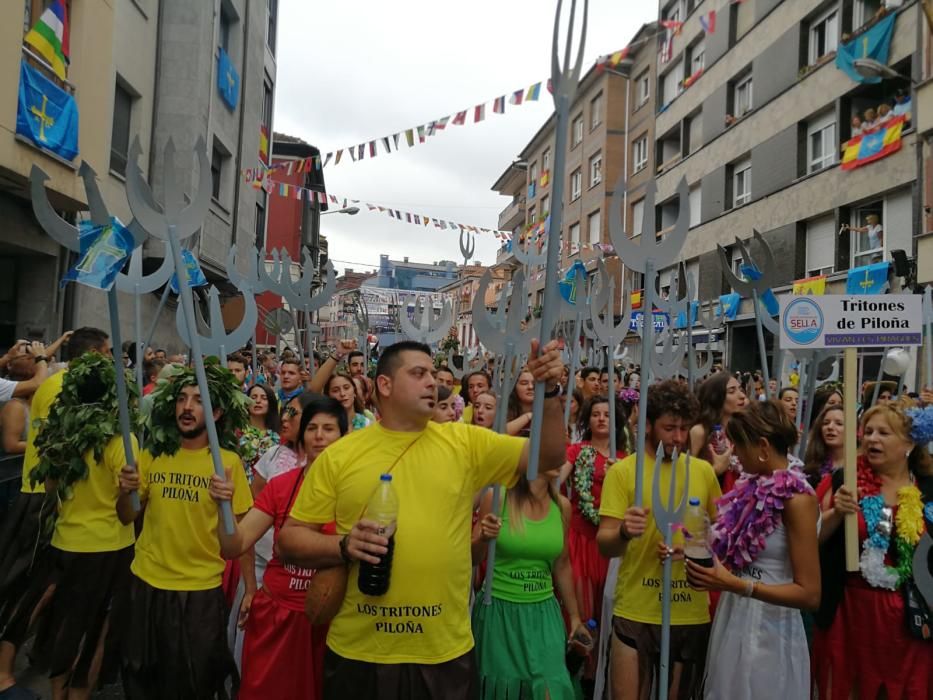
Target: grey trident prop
{"x":277,"y":322}
{"x":707,"y":318}
{"x":429,"y":330}
{"x":67,"y":235}
{"x":754,"y":288}
{"x":503,"y":339}
{"x":669,"y":361}
{"x":468,"y":358}
{"x":527,"y":256}
{"x":175,"y":223}
{"x":301,"y":296}
{"x":611,"y":334}
{"x":564,"y":83}
{"x":467,"y":246}
{"x":248,"y":283}
{"x":928,"y":353}
{"x":218,"y":342}
{"x":667,"y":516}
{"x":647,"y":256}
{"x":580,"y":303}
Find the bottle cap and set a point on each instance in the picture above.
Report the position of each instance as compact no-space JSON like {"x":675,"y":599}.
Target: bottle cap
{"x":717,"y":426}
{"x":694,"y":501}
{"x":385,"y":477}
{"x":591,"y":624}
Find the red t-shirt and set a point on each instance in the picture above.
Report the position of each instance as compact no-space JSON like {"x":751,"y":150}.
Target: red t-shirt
{"x":600,"y":466}
{"x":285,"y":582}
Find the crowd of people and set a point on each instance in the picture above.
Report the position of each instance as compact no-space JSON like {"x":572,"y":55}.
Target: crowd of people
{"x":118,"y":563}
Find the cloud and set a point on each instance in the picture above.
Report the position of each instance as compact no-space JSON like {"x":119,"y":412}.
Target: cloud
{"x":359,"y":70}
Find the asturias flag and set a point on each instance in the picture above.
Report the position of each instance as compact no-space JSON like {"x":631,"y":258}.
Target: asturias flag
{"x":877,"y":144}
{"x":868,"y":279}
{"x":104,"y":250}
{"x":874,"y":44}
{"x":196,"y":277}
{"x":46,"y":114}
{"x":49,"y":37}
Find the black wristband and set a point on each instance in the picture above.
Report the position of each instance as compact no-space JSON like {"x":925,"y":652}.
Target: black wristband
{"x":344,"y":554}
{"x":40,"y":358}
{"x":554,"y":393}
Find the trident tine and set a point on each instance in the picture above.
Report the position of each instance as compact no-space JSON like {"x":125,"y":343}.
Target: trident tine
{"x":58,"y":229}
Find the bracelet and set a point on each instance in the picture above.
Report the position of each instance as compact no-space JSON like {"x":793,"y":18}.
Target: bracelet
{"x":553,"y":393}
{"x":344,"y":554}
{"x":749,"y":589}
{"x":41,"y":358}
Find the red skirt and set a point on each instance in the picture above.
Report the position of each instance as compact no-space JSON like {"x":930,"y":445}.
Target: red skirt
{"x":283,"y":654}
{"x":589,"y":570}
{"x":867,"y":648}
{"x":230,"y":581}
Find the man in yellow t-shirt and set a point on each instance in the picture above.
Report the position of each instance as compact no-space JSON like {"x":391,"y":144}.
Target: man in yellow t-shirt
{"x":22,"y":541}
{"x":175,"y":616}
{"x":415,"y":640}
{"x":630,"y":532}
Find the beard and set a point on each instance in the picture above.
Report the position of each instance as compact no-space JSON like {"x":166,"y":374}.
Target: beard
{"x":190,"y":433}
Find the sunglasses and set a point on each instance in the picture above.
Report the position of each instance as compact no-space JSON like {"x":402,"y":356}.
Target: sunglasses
{"x":289,"y":412}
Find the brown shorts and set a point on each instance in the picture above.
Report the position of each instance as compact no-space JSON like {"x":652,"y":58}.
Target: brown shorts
{"x":452,"y":680}
{"x":688,"y":642}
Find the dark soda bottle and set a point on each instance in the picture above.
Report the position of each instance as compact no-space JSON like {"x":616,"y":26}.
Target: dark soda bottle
{"x":374,"y":579}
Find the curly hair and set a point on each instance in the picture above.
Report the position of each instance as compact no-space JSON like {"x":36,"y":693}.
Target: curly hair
{"x":671,"y":397}
{"x":895,"y":413}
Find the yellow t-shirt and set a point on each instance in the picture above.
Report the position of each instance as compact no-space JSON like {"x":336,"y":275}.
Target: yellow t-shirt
{"x":88,"y":522}
{"x":424,"y":617}
{"x":39,"y":410}
{"x":467,"y":416}
{"x":638,"y":591}
{"x":178,"y":549}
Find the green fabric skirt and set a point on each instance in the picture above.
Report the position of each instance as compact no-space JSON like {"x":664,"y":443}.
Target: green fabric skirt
{"x":520,"y":650}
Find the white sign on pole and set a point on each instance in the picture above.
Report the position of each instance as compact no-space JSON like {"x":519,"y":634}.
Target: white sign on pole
{"x":844,"y":320}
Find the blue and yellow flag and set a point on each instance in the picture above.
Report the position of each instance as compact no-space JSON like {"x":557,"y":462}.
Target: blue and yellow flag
{"x":196,"y":276}
{"x":868,"y":279}
{"x":104,"y":251}
{"x":228,"y":80}
{"x":877,"y":144}
{"x":46,"y":114}
{"x":568,"y":285}
{"x":874,"y":44}
{"x":729,"y":305}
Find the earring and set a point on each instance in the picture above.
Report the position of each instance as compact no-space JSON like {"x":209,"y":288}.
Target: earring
{"x":762,"y":458}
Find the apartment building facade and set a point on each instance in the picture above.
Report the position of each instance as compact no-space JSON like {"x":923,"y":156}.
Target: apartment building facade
{"x":152,"y":69}
{"x":757,"y":136}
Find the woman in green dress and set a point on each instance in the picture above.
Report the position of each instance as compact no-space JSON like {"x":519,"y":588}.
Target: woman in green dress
{"x":520,"y":636}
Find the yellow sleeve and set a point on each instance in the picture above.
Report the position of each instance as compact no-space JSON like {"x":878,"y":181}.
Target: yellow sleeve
{"x":494,"y":457}
{"x":144,"y":465}
{"x":614,"y":501}
{"x":242,"y":496}
{"x":316,"y":501}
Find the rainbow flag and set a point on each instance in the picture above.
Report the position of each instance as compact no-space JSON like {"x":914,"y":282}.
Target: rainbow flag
{"x":50,"y":37}
{"x":533,"y":92}
{"x":877,"y":144}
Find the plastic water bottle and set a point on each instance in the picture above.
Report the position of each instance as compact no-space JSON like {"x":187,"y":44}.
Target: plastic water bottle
{"x":717,"y":440}
{"x":579,"y":647}
{"x":696,"y":544}
{"x":383,"y":508}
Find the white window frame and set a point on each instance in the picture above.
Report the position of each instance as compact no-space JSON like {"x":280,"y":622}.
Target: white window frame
{"x":829,"y":18}
{"x":596,"y":169}
{"x":574,"y":236}
{"x":576,"y":184}
{"x":640,"y":154}
{"x":858,"y":255}
{"x":742,"y":170}
{"x":825,"y":126}
{"x":545,"y":204}
{"x":596,"y":108}
{"x":861,"y":14}
{"x":697,"y":52}
{"x":533,"y":173}
{"x":644,"y":87}
{"x":546,"y":160}
{"x":823,"y":269}
{"x":577,"y":132}
{"x":743,"y":96}
{"x":597,"y":217}
{"x":638,"y":216}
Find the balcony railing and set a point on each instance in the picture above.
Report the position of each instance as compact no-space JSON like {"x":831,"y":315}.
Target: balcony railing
{"x":512,"y":215}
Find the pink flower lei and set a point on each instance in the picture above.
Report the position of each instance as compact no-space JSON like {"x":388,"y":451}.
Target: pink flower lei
{"x":751,"y":512}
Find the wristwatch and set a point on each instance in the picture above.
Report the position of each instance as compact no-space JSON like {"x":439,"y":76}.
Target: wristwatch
{"x":344,"y":554}
{"x":41,"y":358}
{"x":555,"y":392}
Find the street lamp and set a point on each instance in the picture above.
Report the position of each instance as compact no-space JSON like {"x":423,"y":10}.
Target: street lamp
{"x":870,"y":68}
{"x":351,"y":211}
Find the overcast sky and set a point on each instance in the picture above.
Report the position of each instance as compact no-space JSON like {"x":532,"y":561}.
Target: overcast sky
{"x":359,"y":70}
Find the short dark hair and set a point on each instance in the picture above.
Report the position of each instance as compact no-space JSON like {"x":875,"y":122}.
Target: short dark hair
{"x":355,"y":353}
{"x":237,"y":357}
{"x":762,"y":419}
{"x":390,"y":359}
{"x":671,"y":397}
{"x":795,"y":390}
{"x":482,"y":373}
{"x":323,"y":404}
{"x":587,"y":371}
{"x":444,"y":368}
{"x":292,"y":360}
{"x":84,"y":340}
{"x":153,"y":366}
{"x":443,"y":393}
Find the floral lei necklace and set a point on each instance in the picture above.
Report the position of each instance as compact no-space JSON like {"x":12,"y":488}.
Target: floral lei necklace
{"x":583,"y":469}
{"x":751,"y":512}
{"x":907,"y":526}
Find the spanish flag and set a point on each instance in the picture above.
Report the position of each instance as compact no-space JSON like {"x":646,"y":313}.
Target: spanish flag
{"x":811,"y":285}
{"x":49,"y":37}
{"x":264,"y":144}
{"x":876,"y":144}
{"x":635,"y":299}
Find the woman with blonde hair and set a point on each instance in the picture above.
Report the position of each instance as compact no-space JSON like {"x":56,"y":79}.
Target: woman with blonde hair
{"x":866,"y":644}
